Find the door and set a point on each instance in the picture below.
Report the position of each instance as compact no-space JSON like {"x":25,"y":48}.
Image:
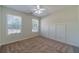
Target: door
{"x":73,"y":34}
{"x":52,"y":31}
{"x":60,"y":32}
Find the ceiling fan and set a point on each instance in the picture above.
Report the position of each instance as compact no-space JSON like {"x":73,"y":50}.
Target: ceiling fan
{"x":38,"y":10}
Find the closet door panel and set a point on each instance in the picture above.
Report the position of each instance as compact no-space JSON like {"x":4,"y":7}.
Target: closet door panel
{"x":44,"y":28}
{"x":52,"y":32}
{"x":60,"y":32}
{"x":73,"y":34}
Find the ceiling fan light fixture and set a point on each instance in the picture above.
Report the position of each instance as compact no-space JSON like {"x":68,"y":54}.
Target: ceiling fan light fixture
{"x":38,"y":10}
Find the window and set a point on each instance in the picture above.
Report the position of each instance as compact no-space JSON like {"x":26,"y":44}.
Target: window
{"x":14,"y":24}
{"x":35,"y":25}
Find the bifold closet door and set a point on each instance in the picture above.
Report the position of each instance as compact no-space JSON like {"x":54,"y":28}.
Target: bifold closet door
{"x":51,"y":31}
{"x":73,"y":34}
{"x":44,"y":28}
{"x":60,"y":32}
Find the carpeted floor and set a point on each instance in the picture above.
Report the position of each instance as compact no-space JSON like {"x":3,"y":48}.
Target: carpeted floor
{"x":36,"y":45}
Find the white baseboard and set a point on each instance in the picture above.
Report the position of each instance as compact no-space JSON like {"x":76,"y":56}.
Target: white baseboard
{"x":19,"y":40}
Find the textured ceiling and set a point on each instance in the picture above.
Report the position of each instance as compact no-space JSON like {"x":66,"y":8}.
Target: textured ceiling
{"x":29,"y":9}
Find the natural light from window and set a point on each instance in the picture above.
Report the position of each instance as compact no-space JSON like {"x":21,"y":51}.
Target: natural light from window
{"x":35,"y":25}
{"x":14,"y":24}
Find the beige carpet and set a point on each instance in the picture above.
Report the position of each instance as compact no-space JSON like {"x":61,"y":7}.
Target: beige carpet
{"x":36,"y":45}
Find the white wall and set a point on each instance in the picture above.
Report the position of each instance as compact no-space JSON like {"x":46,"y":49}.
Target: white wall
{"x":62,"y":26}
{"x":26,"y":26}
{"x":0,"y":26}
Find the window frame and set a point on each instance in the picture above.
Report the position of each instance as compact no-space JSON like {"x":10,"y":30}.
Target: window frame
{"x":20,"y":27}
{"x":37,"y":25}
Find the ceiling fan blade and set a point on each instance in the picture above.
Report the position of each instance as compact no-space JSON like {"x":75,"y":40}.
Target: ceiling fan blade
{"x":35,"y":9}
{"x":38,"y":12}
{"x":42,"y":9}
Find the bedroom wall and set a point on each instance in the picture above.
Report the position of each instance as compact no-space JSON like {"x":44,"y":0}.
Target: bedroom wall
{"x":62,"y":26}
{"x":26,"y":26}
{"x":0,"y":26}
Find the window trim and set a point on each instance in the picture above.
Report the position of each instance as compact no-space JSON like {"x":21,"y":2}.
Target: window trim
{"x":37,"y":25}
{"x":20,"y":25}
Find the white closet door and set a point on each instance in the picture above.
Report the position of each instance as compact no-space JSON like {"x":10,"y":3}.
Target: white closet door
{"x":73,"y":34}
{"x":44,"y":28}
{"x":52,"y":31}
{"x":60,"y":32}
